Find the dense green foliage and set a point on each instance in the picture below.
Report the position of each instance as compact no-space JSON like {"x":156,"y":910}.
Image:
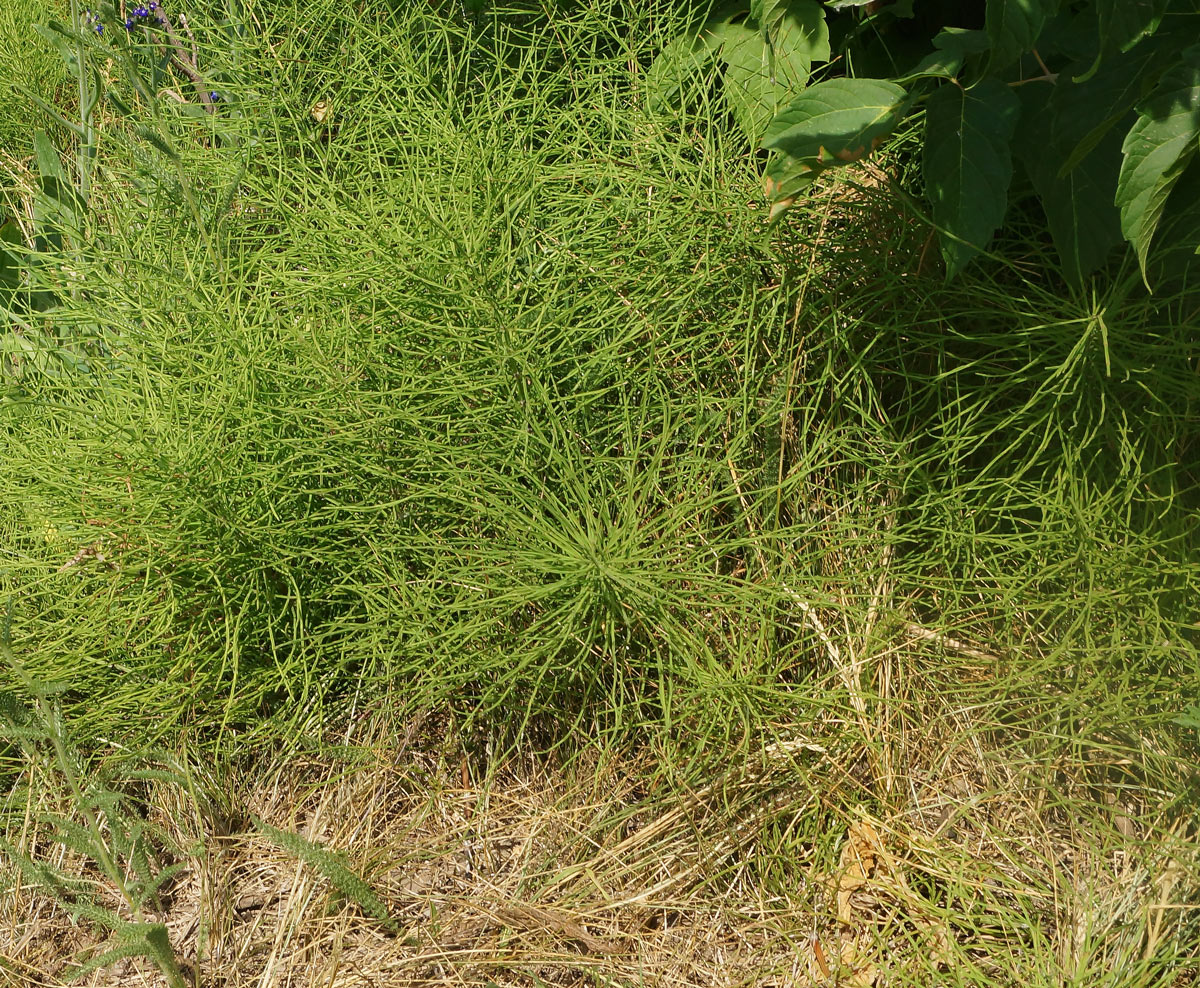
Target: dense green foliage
{"x":445,"y":372}
{"x":1097,"y":102}
{"x":485,"y":398}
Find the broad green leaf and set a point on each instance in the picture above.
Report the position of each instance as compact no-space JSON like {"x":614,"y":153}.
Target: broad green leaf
{"x":968,"y":165}
{"x":837,"y":121}
{"x":783,"y":180}
{"x":751,"y":94}
{"x":1107,"y":97}
{"x":1013,"y":27}
{"x":50,"y":166}
{"x":763,"y":77}
{"x":953,"y":46}
{"x":767,"y":14}
{"x":1079,"y":205}
{"x":1070,"y":145}
{"x":10,"y":261}
{"x":725,"y":23}
{"x":798,"y":37}
{"x":10,"y":282}
{"x":1157,"y":149}
{"x":1177,"y":239}
{"x":793,"y":26}
{"x":1121,"y":24}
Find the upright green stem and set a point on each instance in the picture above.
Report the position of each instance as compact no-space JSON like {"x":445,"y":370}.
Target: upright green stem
{"x":87,"y":143}
{"x":107,"y":862}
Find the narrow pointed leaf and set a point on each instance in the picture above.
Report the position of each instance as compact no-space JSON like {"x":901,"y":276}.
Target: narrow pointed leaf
{"x":968,"y":165}
{"x":52,"y":112}
{"x":155,"y":139}
{"x":64,"y":41}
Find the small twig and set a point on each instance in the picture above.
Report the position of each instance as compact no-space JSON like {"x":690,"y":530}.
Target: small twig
{"x":954,"y":644}
{"x":528,"y":917}
{"x":188,"y":65}
{"x":1046,"y":76}
{"x":815,"y":622}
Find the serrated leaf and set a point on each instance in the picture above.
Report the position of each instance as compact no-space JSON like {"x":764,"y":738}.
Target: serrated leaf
{"x":1078,"y":204}
{"x":762,"y":77}
{"x":1157,"y":150}
{"x":837,"y":121}
{"x":333,"y":866}
{"x":1013,"y":27}
{"x":748,"y":89}
{"x":725,"y":23}
{"x":793,"y":26}
{"x":767,"y":14}
{"x":968,"y":165}
{"x":1102,"y":100}
{"x":1173,"y":257}
{"x":798,"y":38}
{"x":1070,"y":145}
{"x":1121,"y":24}
{"x":106,"y":959}
{"x":953,"y":46}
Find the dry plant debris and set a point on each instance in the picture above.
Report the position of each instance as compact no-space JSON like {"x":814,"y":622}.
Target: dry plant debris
{"x":525,"y":875}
